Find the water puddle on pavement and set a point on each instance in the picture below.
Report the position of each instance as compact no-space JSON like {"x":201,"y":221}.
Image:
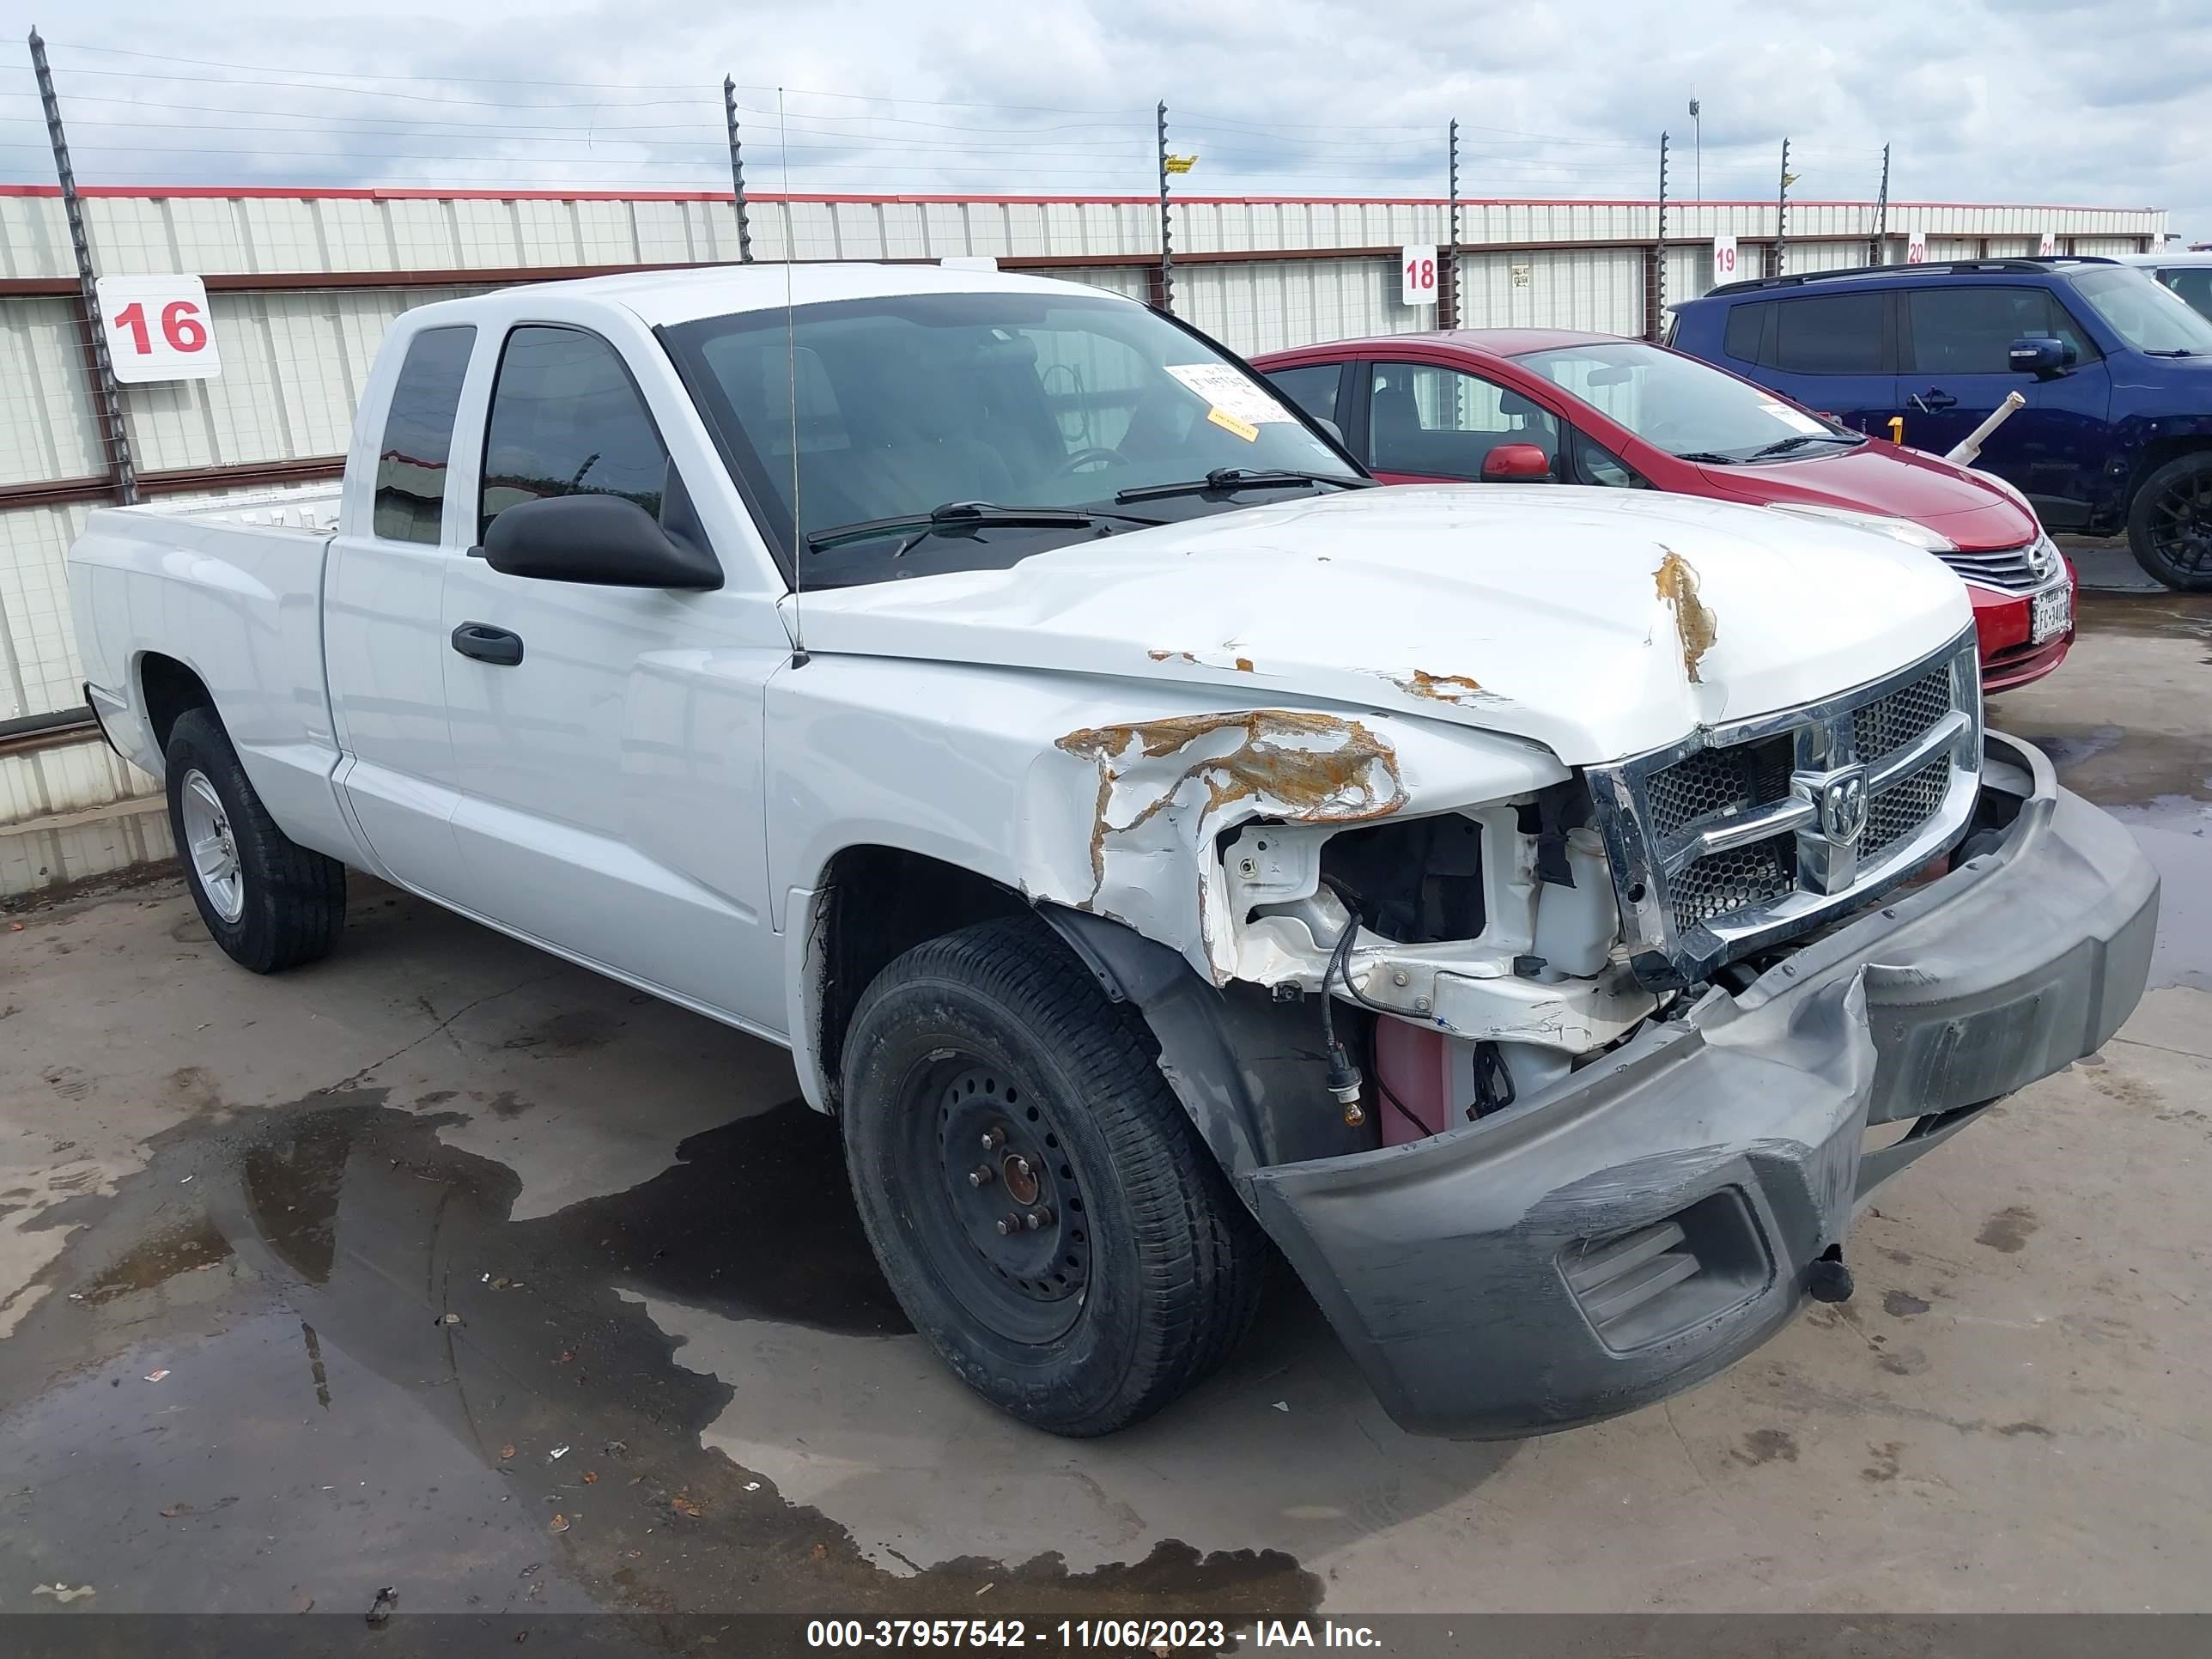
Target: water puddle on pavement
{"x":309,"y":1353}
{"x":2142,"y":748}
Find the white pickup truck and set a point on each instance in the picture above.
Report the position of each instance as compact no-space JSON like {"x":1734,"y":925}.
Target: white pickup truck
{"x":1540,"y":914}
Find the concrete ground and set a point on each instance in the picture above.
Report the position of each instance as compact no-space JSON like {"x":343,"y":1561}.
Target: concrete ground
{"x":445,"y":1266}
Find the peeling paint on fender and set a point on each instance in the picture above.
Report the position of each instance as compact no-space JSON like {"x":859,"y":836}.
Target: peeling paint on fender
{"x":1168,"y":787}
{"x":1692,"y":617}
{"x":1695,"y":625}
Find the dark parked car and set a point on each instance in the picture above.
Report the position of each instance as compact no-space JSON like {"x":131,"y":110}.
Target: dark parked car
{"x":1522,"y":406}
{"x":2116,"y":433}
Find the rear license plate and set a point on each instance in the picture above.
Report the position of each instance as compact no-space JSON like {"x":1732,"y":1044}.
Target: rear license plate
{"x":2053,"y":613}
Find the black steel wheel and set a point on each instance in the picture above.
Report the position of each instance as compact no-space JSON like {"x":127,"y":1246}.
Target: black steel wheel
{"x":2170,"y":524}
{"x":1040,"y":1203}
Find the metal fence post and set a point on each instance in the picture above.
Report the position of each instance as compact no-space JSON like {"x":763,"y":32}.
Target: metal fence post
{"x":1167,"y":236}
{"x":1657,"y":309}
{"x":1782,"y":213}
{"x":737,"y":172}
{"x":1451,"y":319}
{"x":105,"y":398}
{"x":1881,"y":214}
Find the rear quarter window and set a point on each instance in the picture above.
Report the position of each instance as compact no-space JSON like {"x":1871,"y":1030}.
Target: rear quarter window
{"x":1745,"y":325}
{"x":418,"y":435}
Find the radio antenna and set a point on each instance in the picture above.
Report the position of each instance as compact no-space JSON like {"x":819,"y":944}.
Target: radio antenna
{"x":790,"y":387}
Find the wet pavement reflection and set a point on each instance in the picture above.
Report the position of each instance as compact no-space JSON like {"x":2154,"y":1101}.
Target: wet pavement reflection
{"x":2143,"y":752}
{"x":311,"y":1354}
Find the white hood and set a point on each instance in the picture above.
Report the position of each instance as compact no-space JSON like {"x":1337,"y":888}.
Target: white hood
{"x":1599,"y":623}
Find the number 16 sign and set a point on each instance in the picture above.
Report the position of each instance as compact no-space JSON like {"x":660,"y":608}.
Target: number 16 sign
{"x":158,"y":329}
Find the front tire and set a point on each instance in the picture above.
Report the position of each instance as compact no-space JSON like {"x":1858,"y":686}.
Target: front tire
{"x":1041,"y":1204}
{"x":2170,"y":524}
{"x":270,"y":903}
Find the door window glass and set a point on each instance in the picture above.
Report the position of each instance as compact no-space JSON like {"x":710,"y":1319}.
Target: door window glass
{"x":1970,"y":331}
{"x":1312,"y":387}
{"x":567,"y":420}
{"x":1441,"y":422}
{"x":418,"y":435}
{"x":1832,"y":334}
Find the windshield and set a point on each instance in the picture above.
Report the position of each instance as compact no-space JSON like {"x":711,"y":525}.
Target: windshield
{"x":908,"y":403}
{"x":2147,"y":317}
{"x":1685,"y":407}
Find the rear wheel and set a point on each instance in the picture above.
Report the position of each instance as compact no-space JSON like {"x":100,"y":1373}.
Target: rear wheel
{"x":1041,"y":1205}
{"x":2170,"y":524}
{"x":270,"y":903}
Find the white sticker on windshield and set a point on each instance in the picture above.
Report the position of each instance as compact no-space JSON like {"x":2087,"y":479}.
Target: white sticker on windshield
{"x":1225,"y":389}
{"x":1795,"y":419}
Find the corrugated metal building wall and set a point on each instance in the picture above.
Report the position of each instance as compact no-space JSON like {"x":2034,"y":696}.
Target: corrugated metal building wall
{"x":302,"y":286}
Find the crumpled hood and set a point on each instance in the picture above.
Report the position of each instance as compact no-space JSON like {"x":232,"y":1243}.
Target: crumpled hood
{"x":1598,"y":622}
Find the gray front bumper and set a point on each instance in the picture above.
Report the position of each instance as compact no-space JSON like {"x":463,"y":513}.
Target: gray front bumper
{"x":1495,"y":1280}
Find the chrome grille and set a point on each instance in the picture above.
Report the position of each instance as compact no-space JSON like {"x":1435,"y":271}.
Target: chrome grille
{"x":1715,"y":781}
{"x":1754,"y":831}
{"x":1721,"y":883}
{"x":2020,"y":569}
{"x":1883,"y":727}
{"x":1903,"y":807}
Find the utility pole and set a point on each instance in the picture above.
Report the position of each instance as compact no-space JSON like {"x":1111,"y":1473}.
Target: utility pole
{"x":1882,"y":213}
{"x":105,"y":398}
{"x":737,"y":172}
{"x":1452,"y":181}
{"x":1698,"y":150}
{"x":1167,"y":237}
{"x":1782,"y":211}
{"x":1651,"y":323}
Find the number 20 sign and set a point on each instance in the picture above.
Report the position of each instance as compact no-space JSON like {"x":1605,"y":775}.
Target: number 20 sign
{"x":158,"y":329}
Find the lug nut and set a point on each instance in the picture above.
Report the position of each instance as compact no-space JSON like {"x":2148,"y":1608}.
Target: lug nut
{"x":980,"y":1175}
{"x":1032,"y":1221}
{"x":1009,"y":1224}
{"x":994,"y":1138}
{"x":1022,"y":1168}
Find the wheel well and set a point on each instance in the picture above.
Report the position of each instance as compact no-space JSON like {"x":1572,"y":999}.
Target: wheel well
{"x":168,"y":689}
{"x":2158,"y":451}
{"x":878,"y":903}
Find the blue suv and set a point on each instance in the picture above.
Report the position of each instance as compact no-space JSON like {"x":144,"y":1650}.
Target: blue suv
{"x":2116,"y":433}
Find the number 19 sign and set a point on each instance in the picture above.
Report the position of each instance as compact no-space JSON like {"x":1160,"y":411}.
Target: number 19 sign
{"x":157,"y":328}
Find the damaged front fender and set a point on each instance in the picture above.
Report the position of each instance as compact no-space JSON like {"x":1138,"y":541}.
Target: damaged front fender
{"x":1161,"y":795}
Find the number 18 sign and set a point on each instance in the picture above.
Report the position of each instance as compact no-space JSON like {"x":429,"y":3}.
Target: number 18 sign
{"x":1416,"y":275}
{"x":157,"y":328}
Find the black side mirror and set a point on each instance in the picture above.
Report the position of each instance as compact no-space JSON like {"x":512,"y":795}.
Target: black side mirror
{"x":2040,"y":356}
{"x":605,"y":540}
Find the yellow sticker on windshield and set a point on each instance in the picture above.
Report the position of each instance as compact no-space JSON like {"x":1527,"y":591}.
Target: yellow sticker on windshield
{"x":1228,"y":423}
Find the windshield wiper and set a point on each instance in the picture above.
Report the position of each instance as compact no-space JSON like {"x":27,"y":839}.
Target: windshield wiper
{"x":951,"y":517}
{"x":1783,"y":446}
{"x":1226,"y":478}
{"x":1708,"y":457}
{"x":2178,"y":351}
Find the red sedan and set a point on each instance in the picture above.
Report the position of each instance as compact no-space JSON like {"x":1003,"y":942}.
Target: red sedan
{"x":1525,"y":405}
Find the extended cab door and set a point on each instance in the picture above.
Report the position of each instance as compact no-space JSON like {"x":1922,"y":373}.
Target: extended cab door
{"x":609,"y":763}
{"x":400,"y":529}
{"x":1957,"y":341}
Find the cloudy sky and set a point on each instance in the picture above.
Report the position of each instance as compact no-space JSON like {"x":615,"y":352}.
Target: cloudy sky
{"x":2032,"y":100}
